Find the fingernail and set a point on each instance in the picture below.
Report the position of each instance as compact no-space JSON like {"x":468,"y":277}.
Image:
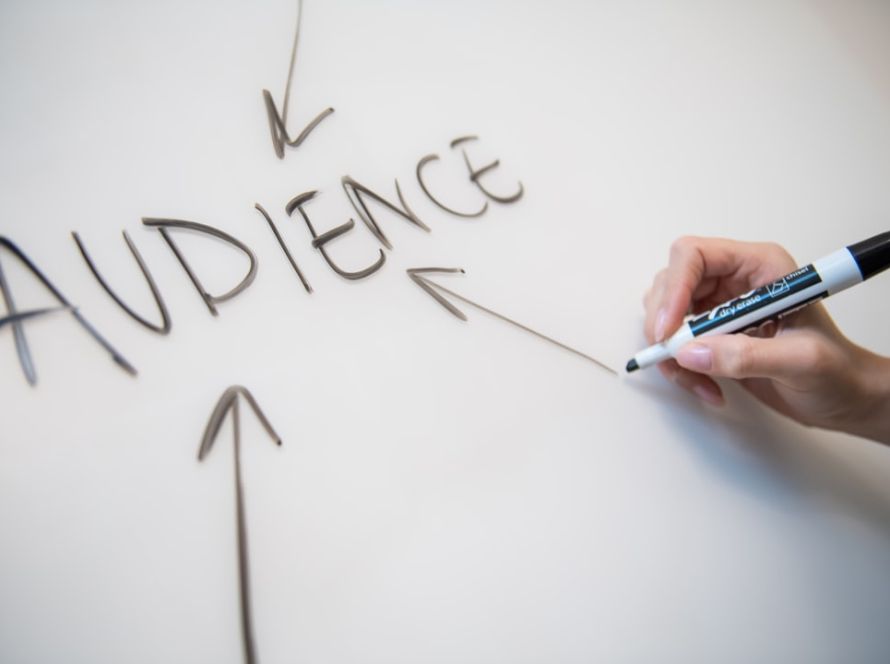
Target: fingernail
{"x":708,"y":394}
{"x":660,"y":323}
{"x":696,"y":357}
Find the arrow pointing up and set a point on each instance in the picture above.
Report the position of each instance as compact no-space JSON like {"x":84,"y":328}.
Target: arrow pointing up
{"x":229,"y":402}
{"x":433,"y":289}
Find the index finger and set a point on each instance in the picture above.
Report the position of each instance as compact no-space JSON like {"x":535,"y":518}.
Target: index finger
{"x":693,"y":259}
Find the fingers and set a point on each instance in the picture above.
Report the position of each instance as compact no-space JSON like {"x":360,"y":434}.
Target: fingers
{"x":701,"y":386}
{"x":685,"y":271}
{"x":652,"y":301}
{"x":702,"y":273}
{"x":791,"y":359}
{"x":703,"y":268}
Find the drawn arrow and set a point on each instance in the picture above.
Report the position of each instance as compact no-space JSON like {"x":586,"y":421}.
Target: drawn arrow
{"x":432,"y":288}
{"x":229,"y":402}
{"x":278,"y":122}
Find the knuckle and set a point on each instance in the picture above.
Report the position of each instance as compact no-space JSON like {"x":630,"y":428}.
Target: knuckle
{"x":654,"y":292}
{"x":649,"y":330}
{"x":686,"y":263}
{"x":815,"y":353}
{"x":669,"y":370}
{"x":682,"y":245}
{"x":779,"y":254}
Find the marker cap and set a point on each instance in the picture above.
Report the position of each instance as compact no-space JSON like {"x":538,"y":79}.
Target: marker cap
{"x":872,"y":255}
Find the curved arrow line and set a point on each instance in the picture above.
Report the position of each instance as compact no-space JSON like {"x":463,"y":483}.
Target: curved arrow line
{"x":278,"y":123}
{"x":229,"y":402}
{"x":429,"y":287}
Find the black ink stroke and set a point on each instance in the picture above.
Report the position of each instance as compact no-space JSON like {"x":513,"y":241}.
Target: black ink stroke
{"x":463,"y":139}
{"x":164,"y":327}
{"x":419,"y":172}
{"x":210,"y":300}
{"x":278,"y":122}
{"x":228,"y":402}
{"x":30,"y":313}
{"x":430,"y":287}
{"x":354,"y":191}
{"x":18,"y":329}
{"x":18,"y":332}
{"x":319,"y":241}
{"x":414,"y":274}
{"x":477,"y":173}
{"x":283,"y":246}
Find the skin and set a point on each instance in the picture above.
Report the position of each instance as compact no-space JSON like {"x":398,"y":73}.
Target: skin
{"x":802,"y":366}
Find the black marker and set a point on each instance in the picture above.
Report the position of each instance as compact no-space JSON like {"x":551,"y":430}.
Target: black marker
{"x":811,"y":283}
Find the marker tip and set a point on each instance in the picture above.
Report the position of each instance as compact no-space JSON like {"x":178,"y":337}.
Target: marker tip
{"x":632,"y":366}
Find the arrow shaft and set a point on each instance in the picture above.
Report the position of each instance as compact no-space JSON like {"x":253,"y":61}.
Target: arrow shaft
{"x":293,"y":60}
{"x":243,"y":564}
{"x":540,"y":335}
{"x":278,"y":123}
{"x":229,"y":401}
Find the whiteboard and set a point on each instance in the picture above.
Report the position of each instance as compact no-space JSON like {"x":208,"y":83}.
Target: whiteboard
{"x":445,"y":491}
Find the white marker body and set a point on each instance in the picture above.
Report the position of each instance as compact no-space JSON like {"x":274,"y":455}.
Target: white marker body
{"x":833,"y":273}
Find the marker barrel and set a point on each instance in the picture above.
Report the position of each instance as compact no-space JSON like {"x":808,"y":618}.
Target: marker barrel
{"x":824,"y":277}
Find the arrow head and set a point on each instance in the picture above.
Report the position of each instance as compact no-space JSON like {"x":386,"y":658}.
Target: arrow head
{"x":226,"y":403}
{"x":434,"y":291}
{"x":430,"y":287}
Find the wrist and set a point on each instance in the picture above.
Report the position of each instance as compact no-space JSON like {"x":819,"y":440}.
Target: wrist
{"x":873,"y":419}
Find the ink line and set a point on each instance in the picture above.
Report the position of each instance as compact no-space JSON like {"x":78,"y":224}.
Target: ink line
{"x":12,"y":319}
{"x":278,"y":123}
{"x":540,"y":335}
{"x":413,"y":273}
{"x":229,"y":402}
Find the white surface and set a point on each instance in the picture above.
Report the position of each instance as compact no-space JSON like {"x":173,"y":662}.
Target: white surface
{"x":446,"y":492}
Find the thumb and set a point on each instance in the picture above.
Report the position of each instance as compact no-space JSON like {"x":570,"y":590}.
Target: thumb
{"x":783,"y":358}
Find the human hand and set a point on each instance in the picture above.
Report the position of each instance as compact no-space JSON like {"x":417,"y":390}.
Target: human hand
{"x":802,"y":366}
